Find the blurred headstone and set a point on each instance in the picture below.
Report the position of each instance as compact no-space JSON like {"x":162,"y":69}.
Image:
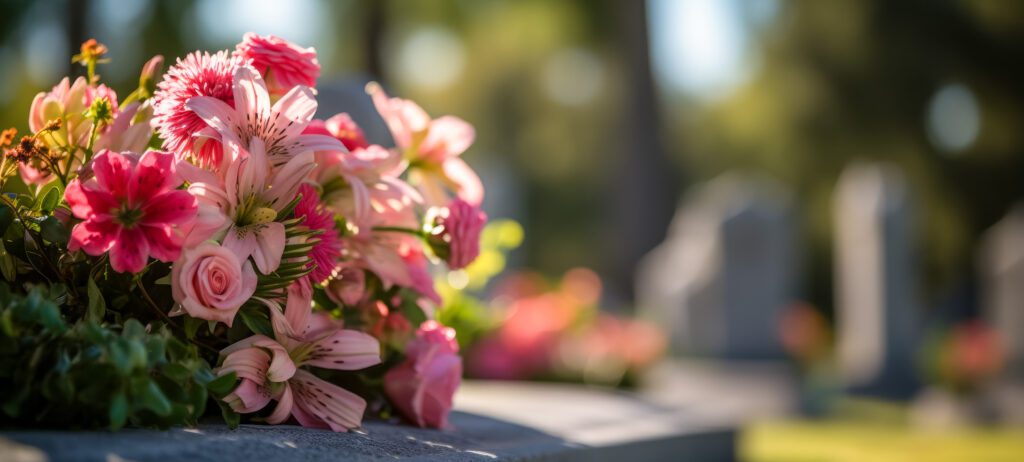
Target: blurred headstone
{"x":1001,"y":266}
{"x":876,"y":293}
{"x":727,"y":269}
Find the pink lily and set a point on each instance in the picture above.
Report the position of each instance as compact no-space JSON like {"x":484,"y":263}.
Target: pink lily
{"x":279,"y":126}
{"x":249,"y":196}
{"x":433,"y":147}
{"x":271,"y":369}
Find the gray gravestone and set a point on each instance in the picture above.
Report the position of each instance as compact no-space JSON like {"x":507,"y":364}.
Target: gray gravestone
{"x":876,"y":298}
{"x":726,"y":270}
{"x":1001,"y":266}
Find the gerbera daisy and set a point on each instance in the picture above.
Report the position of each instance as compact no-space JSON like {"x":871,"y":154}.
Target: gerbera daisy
{"x":197,"y":74}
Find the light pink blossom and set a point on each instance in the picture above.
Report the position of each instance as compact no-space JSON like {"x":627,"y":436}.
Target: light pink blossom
{"x":433,"y":146}
{"x":248,"y":195}
{"x":454,"y":233}
{"x":277,"y":126}
{"x":342,"y":127}
{"x":131,"y":209}
{"x":272,"y":369}
{"x":348,"y":287}
{"x":130,"y":130}
{"x":209,"y":282}
{"x":423,"y":386}
{"x":282,"y":63}
{"x":197,"y":74}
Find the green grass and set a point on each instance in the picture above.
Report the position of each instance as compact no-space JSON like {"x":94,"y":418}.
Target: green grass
{"x":834,"y":440}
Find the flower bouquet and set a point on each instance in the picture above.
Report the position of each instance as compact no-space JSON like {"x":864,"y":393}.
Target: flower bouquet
{"x":207,"y":240}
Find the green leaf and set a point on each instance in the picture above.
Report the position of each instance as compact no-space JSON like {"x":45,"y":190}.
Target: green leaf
{"x":6,"y":218}
{"x":118,"y":411}
{"x":151,"y":397}
{"x":53,"y":231}
{"x":256,"y":320}
{"x":97,"y":307}
{"x":7,"y":264}
{"x":222,"y":385}
{"x":192,"y":326}
{"x":50,"y":199}
{"x":231,"y":417}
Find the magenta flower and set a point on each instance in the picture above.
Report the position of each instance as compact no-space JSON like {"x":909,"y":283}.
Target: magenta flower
{"x":131,"y":209}
{"x":282,"y":63}
{"x":327,"y":251}
{"x":423,"y":387}
{"x":434,"y":145}
{"x":271,"y":369}
{"x":454,"y":233}
{"x":198,"y":74}
{"x":279,"y":126}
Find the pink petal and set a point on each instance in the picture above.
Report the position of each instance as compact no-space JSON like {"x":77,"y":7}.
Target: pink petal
{"x":270,"y":242}
{"x":173,"y":207}
{"x":113,"y":172}
{"x":299,"y":305}
{"x":249,"y":363}
{"x":345,"y":350}
{"x":164,"y":242}
{"x":154,"y":174}
{"x":281,"y":367}
{"x":314,"y":142}
{"x":251,"y":95}
{"x":216,"y":113}
{"x":95,"y":237}
{"x":326,"y":403}
{"x":470,"y":188}
{"x":294,"y":111}
{"x":130,"y":252}
{"x":88,"y":202}
{"x":248,"y":396}
{"x":285,"y":404}
{"x":448,"y":137}
{"x":287,"y":179}
{"x":241,"y":242}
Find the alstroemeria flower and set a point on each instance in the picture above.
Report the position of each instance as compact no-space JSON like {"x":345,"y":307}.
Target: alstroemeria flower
{"x":423,"y":387}
{"x":360,"y":183}
{"x":249,"y":196}
{"x":130,"y":130}
{"x":278,"y":127}
{"x":131,"y":209}
{"x":271,"y":369}
{"x":433,"y":147}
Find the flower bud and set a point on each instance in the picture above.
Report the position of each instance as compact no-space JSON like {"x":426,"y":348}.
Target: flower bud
{"x":453,"y":232}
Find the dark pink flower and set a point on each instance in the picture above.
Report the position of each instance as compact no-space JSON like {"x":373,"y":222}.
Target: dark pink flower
{"x":327,"y":251}
{"x":197,"y":74}
{"x":422,"y":387}
{"x":283,"y":64}
{"x":455,"y":233}
{"x":131,"y":209}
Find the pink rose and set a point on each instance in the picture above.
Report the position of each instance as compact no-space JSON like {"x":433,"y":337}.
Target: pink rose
{"x":455,"y":233}
{"x":283,"y":64}
{"x":422,"y":387}
{"x":209,"y":282}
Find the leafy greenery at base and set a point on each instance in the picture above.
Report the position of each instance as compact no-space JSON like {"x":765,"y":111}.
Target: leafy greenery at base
{"x":89,"y":375}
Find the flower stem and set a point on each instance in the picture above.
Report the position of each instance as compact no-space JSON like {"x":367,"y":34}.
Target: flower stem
{"x":399,"y":229}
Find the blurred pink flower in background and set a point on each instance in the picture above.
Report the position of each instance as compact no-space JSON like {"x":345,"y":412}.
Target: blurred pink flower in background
{"x":455,"y":233}
{"x":342,"y":127}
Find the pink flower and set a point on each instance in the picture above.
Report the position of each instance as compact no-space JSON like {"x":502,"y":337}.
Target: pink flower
{"x":422,"y":282}
{"x":131,"y":209}
{"x":282,"y":63}
{"x":197,"y":74}
{"x":422,"y":387}
{"x":327,"y":251}
{"x":433,"y":144}
{"x":128,"y":132}
{"x":455,"y":233}
{"x":209,"y":282}
{"x":342,"y":127}
{"x":348,"y":287}
{"x":272,"y":369}
{"x":278,"y":127}
{"x":365,"y":180}
{"x":248,"y":195}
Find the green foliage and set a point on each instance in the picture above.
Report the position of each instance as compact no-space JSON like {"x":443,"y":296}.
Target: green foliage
{"x":89,"y":375}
